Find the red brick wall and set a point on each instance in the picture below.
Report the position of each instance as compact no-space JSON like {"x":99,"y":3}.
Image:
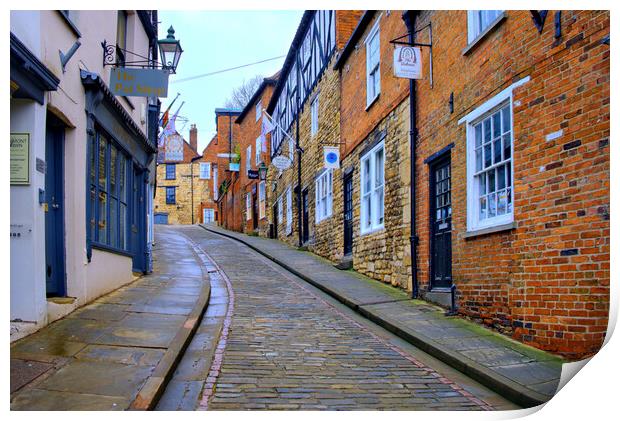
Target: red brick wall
{"x":249,"y":130}
{"x":546,"y":282}
{"x":229,"y":208}
{"x":357,"y":121}
{"x":346,"y":21}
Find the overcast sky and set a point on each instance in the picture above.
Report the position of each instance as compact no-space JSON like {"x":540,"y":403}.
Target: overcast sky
{"x":215,"y":40}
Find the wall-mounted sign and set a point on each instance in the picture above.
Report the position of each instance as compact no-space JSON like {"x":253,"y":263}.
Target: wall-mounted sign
{"x":281,"y":162}
{"x":407,"y":62}
{"x":20,"y":159}
{"x":126,"y":81}
{"x":233,"y":166}
{"x":331,"y":157}
{"x":253,"y":174}
{"x":173,"y":147}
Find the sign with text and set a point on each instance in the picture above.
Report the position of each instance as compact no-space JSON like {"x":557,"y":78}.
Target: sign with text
{"x":281,"y":162}
{"x":20,"y":159}
{"x":407,"y":62}
{"x":253,"y":174}
{"x":139,"y":82}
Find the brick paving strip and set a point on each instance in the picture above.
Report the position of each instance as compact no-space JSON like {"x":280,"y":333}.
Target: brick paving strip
{"x":119,"y":351}
{"x":520,"y":373}
{"x":289,"y":349}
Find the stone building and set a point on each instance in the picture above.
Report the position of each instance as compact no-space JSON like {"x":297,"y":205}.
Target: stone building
{"x":182,"y":185}
{"x":82,"y":161}
{"x":306,"y":104}
{"x":252,"y":196}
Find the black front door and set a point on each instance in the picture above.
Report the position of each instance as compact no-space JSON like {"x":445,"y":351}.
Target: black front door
{"x":275,"y":220}
{"x":348,"y":213}
{"x":254,"y":211}
{"x":54,"y":210}
{"x":441,"y":224}
{"x":304,"y":227}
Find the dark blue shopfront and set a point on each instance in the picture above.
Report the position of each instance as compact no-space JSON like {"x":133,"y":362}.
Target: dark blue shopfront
{"x":118,"y":160}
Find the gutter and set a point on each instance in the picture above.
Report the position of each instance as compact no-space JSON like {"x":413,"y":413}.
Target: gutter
{"x":409,"y":17}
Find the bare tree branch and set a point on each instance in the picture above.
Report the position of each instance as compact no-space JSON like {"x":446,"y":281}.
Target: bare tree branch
{"x":241,"y":95}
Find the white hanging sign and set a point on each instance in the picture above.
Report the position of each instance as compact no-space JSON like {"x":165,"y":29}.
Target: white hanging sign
{"x":281,"y":162}
{"x":407,"y":62}
{"x":331,"y":157}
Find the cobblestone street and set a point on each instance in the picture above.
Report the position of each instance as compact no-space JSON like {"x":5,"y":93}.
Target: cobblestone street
{"x":288,"y":348}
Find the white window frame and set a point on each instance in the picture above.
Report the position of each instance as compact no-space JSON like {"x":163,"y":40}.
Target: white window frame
{"x":259,"y":109}
{"x":248,"y":206}
{"x":289,"y":211}
{"x":376,"y":194}
{"x":262,"y":188}
{"x":471,"y":119}
{"x":323,"y":193}
{"x":373,"y":70}
{"x":248,"y":159}
{"x":478,"y":21}
{"x":257,"y":151}
{"x":205,"y":171}
{"x":215,"y":186}
{"x":280,"y":210}
{"x":291,"y":150}
{"x":314,"y":116}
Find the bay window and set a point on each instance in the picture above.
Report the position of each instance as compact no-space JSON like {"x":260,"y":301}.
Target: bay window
{"x":108,"y":185}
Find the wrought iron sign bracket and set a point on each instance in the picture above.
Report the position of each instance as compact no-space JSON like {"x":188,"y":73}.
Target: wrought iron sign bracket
{"x":110,"y":55}
{"x":400,"y":41}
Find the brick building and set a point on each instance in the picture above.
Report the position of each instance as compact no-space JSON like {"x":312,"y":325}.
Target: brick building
{"x":252,"y":193}
{"x":511,"y":168}
{"x":182,"y":185}
{"x":226,"y":172}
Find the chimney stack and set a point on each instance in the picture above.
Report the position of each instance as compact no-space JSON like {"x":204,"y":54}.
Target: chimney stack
{"x":193,"y":137}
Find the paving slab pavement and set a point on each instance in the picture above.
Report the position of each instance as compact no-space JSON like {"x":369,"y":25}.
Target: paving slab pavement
{"x":117,"y":352}
{"x":522,"y":374}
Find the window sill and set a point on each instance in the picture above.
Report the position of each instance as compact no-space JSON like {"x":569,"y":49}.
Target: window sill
{"x":371,"y":103}
{"x":490,"y":230}
{"x":484,"y":33}
{"x":323,"y":219}
{"x":373,"y":230}
{"x":111,"y":249}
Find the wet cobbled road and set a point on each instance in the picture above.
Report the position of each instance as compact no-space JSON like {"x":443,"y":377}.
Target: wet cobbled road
{"x":286,"y":347}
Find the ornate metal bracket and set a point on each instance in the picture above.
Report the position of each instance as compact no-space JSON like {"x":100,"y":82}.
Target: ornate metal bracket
{"x":113,"y":55}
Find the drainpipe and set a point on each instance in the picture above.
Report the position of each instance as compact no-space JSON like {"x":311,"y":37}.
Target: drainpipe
{"x":409,"y":17}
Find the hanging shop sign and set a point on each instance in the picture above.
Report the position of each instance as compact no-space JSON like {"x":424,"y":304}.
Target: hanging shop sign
{"x":281,"y":162}
{"x":228,"y":155}
{"x":233,"y":166}
{"x":173,"y":147}
{"x":20,"y":159}
{"x":407,"y":62}
{"x":331,"y":157}
{"x":253,"y":174}
{"x":126,"y":81}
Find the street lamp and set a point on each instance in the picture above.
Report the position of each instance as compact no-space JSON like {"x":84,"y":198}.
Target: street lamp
{"x":262,"y":171}
{"x":170,"y":51}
